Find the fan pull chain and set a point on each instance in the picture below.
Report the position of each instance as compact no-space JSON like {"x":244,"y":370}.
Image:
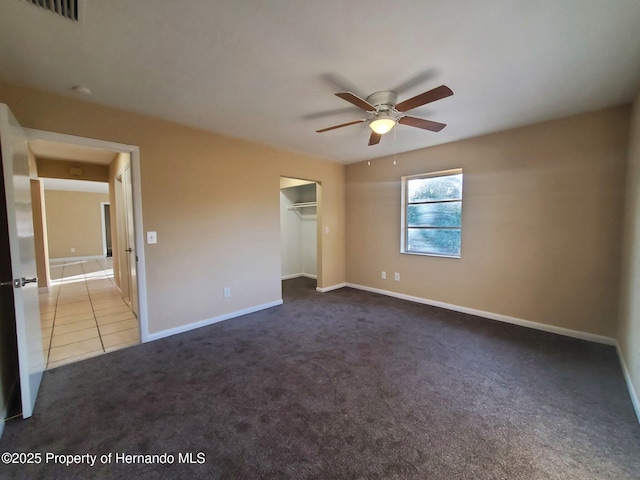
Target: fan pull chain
{"x":395,"y":145}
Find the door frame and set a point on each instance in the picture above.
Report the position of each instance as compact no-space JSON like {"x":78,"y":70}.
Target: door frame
{"x":319,"y":227}
{"x":104,"y":226}
{"x":129,"y":235}
{"x":134,"y":151}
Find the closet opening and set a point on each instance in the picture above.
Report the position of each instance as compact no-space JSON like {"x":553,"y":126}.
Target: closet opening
{"x":299,"y":230}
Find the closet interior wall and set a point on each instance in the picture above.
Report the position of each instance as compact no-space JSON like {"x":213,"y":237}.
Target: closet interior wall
{"x":298,"y":230}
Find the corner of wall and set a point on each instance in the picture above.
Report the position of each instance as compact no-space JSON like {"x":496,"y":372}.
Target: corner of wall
{"x":628,"y":331}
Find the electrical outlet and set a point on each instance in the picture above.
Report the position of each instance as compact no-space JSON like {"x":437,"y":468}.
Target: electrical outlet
{"x":384,"y":275}
{"x":396,"y":276}
{"x":226,"y":292}
{"x":73,"y":250}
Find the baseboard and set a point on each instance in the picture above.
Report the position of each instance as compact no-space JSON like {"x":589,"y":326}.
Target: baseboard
{"x":78,"y":259}
{"x":298,"y":275}
{"x":632,"y":391}
{"x":291,"y":277}
{"x":592,"y":337}
{"x":211,"y":321}
{"x":331,"y":287}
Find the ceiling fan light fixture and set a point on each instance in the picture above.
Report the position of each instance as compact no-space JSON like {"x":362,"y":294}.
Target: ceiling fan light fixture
{"x":382,"y":125}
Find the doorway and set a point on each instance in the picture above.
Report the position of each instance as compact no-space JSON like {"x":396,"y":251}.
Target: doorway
{"x":299,"y":229}
{"x":83,"y":312}
{"x":104,"y":272}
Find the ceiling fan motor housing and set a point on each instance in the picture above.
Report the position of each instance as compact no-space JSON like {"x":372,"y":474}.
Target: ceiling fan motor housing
{"x":383,"y":101}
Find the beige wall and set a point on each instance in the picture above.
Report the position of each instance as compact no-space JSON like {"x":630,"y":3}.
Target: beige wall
{"x":62,"y":169}
{"x":629,"y":328}
{"x":74,"y":220}
{"x":213,"y":200}
{"x":541,"y":223}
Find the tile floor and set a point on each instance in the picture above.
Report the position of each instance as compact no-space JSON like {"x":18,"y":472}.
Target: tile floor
{"x":82,"y":313}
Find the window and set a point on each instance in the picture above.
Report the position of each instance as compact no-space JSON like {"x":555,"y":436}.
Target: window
{"x":432,"y":213}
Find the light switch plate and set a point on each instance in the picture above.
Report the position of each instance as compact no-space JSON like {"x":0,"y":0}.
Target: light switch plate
{"x":152,"y":237}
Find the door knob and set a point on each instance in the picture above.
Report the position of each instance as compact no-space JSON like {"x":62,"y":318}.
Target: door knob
{"x":128,"y":250}
{"x":19,"y":282}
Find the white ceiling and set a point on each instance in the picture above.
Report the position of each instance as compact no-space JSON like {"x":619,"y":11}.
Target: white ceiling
{"x":267,"y":70}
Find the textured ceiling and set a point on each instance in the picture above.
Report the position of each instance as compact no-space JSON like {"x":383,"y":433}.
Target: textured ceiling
{"x":266,"y":70}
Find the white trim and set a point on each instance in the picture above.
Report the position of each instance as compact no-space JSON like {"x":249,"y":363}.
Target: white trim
{"x":79,"y":259}
{"x":211,"y":321}
{"x":104,"y":230}
{"x":592,"y":337}
{"x":632,"y":391}
{"x":134,"y":151}
{"x":403,"y":210}
{"x":331,"y":287}
{"x":292,"y":276}
{"x":35,"y":134}
{"x":298,"y":275}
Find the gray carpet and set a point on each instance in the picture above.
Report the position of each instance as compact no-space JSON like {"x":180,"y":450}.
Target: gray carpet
{"x":341,"y":385}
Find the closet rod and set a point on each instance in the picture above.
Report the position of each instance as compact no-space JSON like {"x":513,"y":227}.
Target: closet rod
{"x":302,"y":205}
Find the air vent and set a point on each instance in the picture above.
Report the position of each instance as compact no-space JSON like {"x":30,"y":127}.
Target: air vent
{"x":65,"y":8}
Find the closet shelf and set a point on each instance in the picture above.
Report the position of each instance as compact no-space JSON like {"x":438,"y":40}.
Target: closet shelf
{"x":294,"y":206}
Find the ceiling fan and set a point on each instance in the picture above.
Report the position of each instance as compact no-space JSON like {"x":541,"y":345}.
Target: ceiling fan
{"x":384,"y":112}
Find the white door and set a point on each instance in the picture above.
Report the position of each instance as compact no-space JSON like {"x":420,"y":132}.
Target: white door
{"x":15,"y":168}
{"x":130,"y":238}
{"x":123,"y":255}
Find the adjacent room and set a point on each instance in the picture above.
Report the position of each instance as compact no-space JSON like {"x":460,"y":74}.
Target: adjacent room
{"x":320,"y":240}
{"x":83,"y":311}
{"x":86,"y":306}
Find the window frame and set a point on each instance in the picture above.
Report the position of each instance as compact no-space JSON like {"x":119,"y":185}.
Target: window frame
{"x":405,"y":205}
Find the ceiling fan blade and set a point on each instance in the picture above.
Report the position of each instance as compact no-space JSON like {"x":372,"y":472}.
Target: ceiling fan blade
{"x":414,"y":81}
{"x":374,"y":139}
{"x":427,"y":97}
{"x":357,"y":101}
{"x":340,"y":126}
{"x":422,"y":123}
